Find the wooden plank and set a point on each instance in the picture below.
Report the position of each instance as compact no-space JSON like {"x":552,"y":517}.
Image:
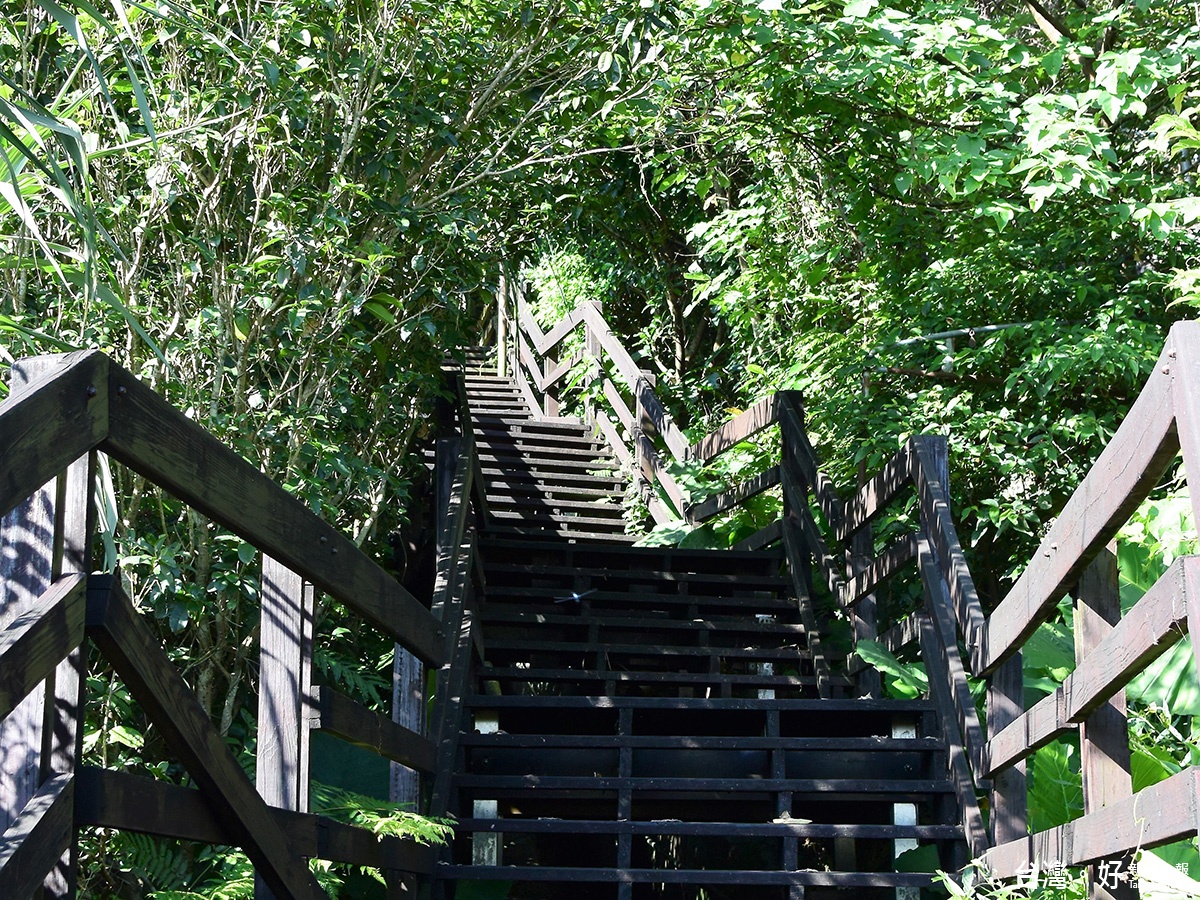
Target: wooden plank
{"x":109,"y":799}
{"x":1122,"y":477}
{"x":152,"y":437}
{"x":654,"y":470}
{"x":874,"y":496}
{"x":520,"y":364}
{"x":34,"y":643}
{"x":1009,"y":817}
{"x":354,"y":723}
{"x":796,"y":447}
{"x":895,"y":639}
{"x":719,"y":503}
{"x":556,"y":372}
{"x":1156,"y":622}
{"x":795,"y":553}
{"x":32,"y":846}
{"x":744,"y":425}
{"x":620,"y":356}
{"x":1104,"y":735}
{"x":285,"y":679}
{"x":169,"y":703}
{"x":527,"y":323}
{"x":555,"y":335}
{"x":937,"y":600}
{"x":940,"y":680}
{"x":613,"y":437}
{"x":826,"y":561}
{"x":613,"y":395}
{"x":1157,"y":815}
{"x":50,"y":420}
{"x":663,"y":424}
{"x":859,"y":552}
{"x":932,"y":477}
{"x":764,"y":537}
{"x":880,"y":569}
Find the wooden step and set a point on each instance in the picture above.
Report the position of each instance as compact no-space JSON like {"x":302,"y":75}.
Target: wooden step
{"x":712,"y":877}
{"x":829,"y":790}
{"x":532,"y":514}
{"x":590,"y":537}
{"x":551,"y":479}
{"x":587,"y":681}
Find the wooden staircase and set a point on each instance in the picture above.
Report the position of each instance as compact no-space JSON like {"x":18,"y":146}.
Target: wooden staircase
{"x":646,"y":722}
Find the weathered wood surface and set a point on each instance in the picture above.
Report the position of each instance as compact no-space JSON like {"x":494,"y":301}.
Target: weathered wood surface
{"x":863,"y":616}
{"x":615,"y":401}
{"x":56,"y":412}
{"x":880,"y":569}
{"x":797,"y":554}
{"x":152,"y":437}
{"x":1104,"y":735}
{"x":109,"y":799}
{"x":879,"y":491}
{"x":1123,"y":476}
{"x":740,"y":428}
{"x":32,"y":846}
{"x":931,"y":476}
{"x":556,"y":372}
{"x":354,"y":723}
{"x":555,"y":335}
{"x":813,"y":541}
{"x":1156,"y":622}
{"x":697,"y":513}
{"x":622,"y":361}
{"x":798,"y":450}
{"x":285,"y":681}
{"x":1154,"y":816}
{"x":528,"y":323}
{"x":33,"y":644}
{"x":664,"y":426}
{"x":655,"y":472}
{"x":1009,"y":798}
{"x":764,"y":537}
{"x":135,"y":654}
{"x":948,"y":662}
{"x":940,"y":681}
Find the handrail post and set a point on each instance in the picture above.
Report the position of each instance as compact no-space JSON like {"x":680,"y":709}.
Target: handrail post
{"x":502,"y":322}
{"x":594,"y":351}
{"x":1104,"y":735}
{"x":643,"y":428}
{"x":287,"y":608}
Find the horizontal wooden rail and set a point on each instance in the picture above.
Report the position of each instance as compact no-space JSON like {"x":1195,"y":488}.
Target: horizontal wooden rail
{"x":880,"y":569}
{"x":874,"y":496}
{"x":1159,"y":814}
{"x":47,"y":425}
{"x":157,"y":440}
{"x":727,"y":500}
{"x":36,"y":841}
{"x":109,"y":799}
{"x":1155,"y":623}
{"x":1121,"y":478}
{"x":349,"y":720}
{"x":34,"y":643}
{"x":741,"y":427}
{"x":555,"y":335}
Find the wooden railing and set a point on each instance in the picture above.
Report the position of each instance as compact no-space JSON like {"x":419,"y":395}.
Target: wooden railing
{"x":61,"y":412}
{"x":832,"y":537}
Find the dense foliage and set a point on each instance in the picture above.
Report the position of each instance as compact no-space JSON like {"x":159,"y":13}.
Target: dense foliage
{"x":283,"y":214}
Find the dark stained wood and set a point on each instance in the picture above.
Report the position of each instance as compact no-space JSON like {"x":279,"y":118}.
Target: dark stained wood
{"x":960,"y":768}
{"x":1156,"y":815}
{"x":623,"y":362}
{"x":1156,"y":622}
{"x":35,"y":842}
{"x":557,"y":371}
{"x":34,"y":643}
{"x":874,"y":496}
{"x":796,"y":552}
{"x":949,"y":662}
{"x":719,"y":503}
{"x":663,"y":425}
{"x":741,"y":427}
{"x":880,"y":569}
{"x":555,"y":335}
{"x":932,"y":477}
{"x":1009,"y":798}
{"x":152,"y":437}
{"x":863,"y":613}
{"x":168,"y":702}
{"x":613,"y":396}
{"x":55,"y":413}
{"x":815,"y":543}
{"x":654,"y":471}
{"x":353,"y":722}
{"x":1103,"y":735}
{"x":1123,"y":475}
{"x":285,"y":680}
{"x":764,"y":537}
{"x":809,"y":877}
{"x":109,"y":799}
{"x":613,"y":437}
{"x":798,"y":450}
